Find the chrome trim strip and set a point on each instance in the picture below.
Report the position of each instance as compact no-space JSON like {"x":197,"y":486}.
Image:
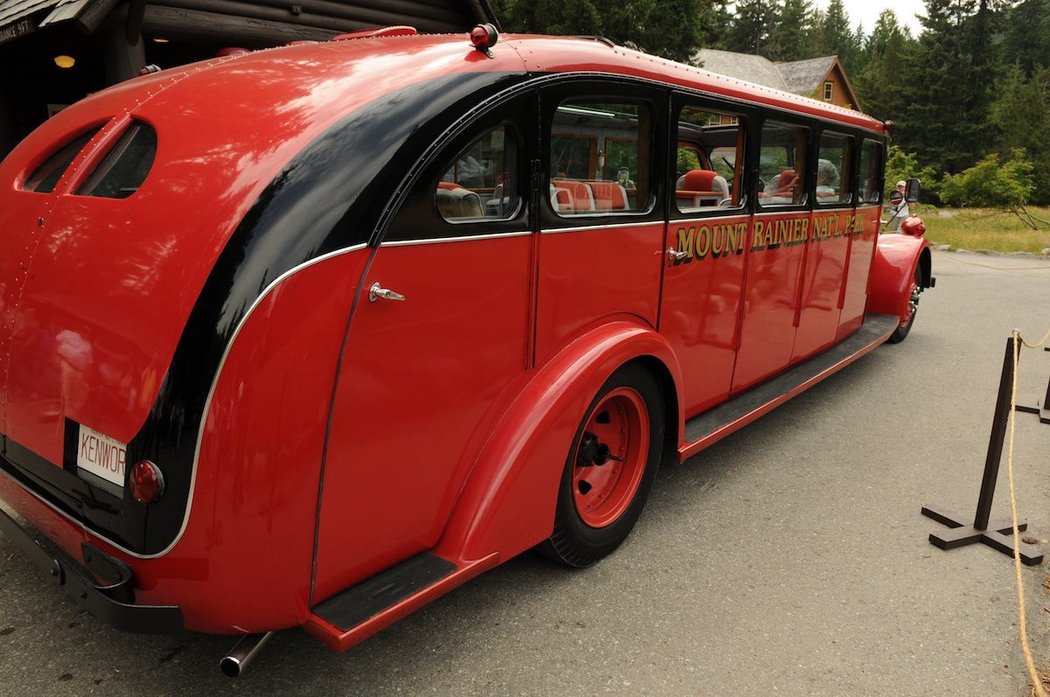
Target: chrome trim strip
{"x":617,"y":226}
{"x":207,"y":406}
{"x":463,"y":238}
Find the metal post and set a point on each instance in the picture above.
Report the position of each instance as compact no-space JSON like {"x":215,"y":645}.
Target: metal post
{"x":995,"y":443}
{"x":996,"y":534}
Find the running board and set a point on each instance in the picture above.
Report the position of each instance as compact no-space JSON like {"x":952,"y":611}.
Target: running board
{"x":360,"y":611}
{"x":713,"y":425}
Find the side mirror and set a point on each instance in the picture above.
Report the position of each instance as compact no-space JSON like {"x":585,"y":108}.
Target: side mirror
{"x":911,"y":193}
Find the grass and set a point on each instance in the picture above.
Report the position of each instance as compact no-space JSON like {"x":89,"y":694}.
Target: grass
{"x":985,"y":229}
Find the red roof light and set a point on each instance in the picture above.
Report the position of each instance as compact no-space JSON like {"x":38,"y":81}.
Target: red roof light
{"x":484,"y":36}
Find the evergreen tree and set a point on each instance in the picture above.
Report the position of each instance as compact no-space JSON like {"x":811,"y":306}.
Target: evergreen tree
{"x":790,"y":35}
{"x":880,"y":83}
{"x":566,"y":17}
{"x":1021,"y":118}
{"x":750,"y":29}
{"x":1026,"y":40}
{"x":833,"y":35}
{"x":944,"y":120}
{"x":673,"y":29}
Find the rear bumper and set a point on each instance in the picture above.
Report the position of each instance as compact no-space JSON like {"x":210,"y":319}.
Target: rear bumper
{"x":111,"y":600}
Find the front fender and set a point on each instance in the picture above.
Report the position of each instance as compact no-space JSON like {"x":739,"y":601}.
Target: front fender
{"x":507,"y":504}
{"x":893,"y":269}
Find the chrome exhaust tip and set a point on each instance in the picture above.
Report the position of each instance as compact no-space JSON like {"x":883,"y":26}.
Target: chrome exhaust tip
{"x":234,"y":663}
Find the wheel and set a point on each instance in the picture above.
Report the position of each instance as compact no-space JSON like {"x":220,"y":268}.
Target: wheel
{"x":610,"y":469}
{"x":901,"y":332}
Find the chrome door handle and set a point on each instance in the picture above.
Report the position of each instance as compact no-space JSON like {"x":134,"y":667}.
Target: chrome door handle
{"x":377,"y":292}
{"x":674,"y":255}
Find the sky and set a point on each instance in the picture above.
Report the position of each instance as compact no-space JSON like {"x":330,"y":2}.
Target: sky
{"x":867,"y":12}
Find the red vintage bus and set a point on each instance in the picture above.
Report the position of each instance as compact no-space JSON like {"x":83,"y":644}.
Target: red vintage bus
{"x":312,"y":335}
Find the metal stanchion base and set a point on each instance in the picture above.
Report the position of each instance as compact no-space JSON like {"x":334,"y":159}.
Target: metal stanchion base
{"x":998,"y":535}
{"x":1042,"y":411}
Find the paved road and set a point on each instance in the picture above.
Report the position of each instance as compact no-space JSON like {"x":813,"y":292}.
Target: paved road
{"x":789,"y":559}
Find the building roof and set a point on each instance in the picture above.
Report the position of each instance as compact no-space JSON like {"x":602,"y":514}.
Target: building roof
{"x":803,"y":77}
{"x":743,"y":66}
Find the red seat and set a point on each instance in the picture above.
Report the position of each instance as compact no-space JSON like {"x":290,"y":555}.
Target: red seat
{"x":582,"y":198}
{"x":699,"y":187}
{"x":609,"y":196}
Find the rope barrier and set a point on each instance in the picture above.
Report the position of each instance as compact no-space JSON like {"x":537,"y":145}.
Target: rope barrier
{"x":1033,"y":673}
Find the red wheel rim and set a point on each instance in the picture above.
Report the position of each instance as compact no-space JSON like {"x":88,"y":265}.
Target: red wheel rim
{"x":610,"y":457}
{"x":913,"y":302}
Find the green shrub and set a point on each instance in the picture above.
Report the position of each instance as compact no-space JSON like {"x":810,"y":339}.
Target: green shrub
{"x":991,"y":183}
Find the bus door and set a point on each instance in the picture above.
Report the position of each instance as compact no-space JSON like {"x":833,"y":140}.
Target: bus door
{"x":862,"y":242}
{"x":602,"y":218}
{"x":439,"y":331}
{"x":776,"y":248}
{"x":827,"y":249}
{"x":705,"y":251}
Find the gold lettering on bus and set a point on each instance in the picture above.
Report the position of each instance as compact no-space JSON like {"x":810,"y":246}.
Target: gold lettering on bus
{"x":715,"y":241}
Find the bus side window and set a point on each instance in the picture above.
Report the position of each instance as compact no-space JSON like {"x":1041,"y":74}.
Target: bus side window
{"x":480,"y":183}
{"x":834,"y":169}
{"x":870,"y":172}
{"x":600,"y":158}
{"x":782,"y":165}
{"x":710,"y":154}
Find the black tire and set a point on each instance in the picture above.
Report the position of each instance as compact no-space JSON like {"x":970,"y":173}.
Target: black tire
{"x":904,"y":328}
{"x":574,"y":541}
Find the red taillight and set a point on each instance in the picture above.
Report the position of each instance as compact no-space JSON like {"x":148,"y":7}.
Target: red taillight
{"x":147,"y":482}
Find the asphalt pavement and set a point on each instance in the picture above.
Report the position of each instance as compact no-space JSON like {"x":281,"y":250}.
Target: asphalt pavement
{"x":790,"y":559}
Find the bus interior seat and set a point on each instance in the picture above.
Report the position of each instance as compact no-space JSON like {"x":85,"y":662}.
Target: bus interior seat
{"x":701,"y":187}
{"x":581,"y":196}
{"x":608,"y":196}
{"x":455,"y":201}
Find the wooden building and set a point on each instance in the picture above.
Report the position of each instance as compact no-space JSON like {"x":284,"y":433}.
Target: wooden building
{"x":54,"y":52}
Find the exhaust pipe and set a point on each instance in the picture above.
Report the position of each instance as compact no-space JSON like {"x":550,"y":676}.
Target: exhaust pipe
{"x":234,"y":663}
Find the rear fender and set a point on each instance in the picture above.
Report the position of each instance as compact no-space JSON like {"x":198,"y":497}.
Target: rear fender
{"x":507,"y":504}
{"x":896,"y":258}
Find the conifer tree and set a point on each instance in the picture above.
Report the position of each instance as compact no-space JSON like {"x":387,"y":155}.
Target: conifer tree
{"x":791,"y":32}
{"x":750,"y":28}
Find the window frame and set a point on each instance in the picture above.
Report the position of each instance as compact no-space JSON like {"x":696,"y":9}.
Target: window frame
{"x":848,"y":180}
{"x":880,"y":184}
{"x":773,"y":116}
{"x":829,"y":90}
{"x":418,"y":220}
{"x":104,"y":161}
{"x":742,"y":119}
{"x":597,"y":89}
{"x":71,"y":143}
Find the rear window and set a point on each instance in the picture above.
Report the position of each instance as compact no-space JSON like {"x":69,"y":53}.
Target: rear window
{"x":46,"y":176}
{"x":125,"y":167}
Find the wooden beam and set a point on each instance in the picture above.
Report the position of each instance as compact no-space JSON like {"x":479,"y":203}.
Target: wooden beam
{"x":177,"y":23}
{"x":319,"y":12}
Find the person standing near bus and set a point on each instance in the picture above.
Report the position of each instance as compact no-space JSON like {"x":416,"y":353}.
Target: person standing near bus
{"x":898,"y":208}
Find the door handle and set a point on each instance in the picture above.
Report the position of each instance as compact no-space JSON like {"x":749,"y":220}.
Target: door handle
{"x":674,"y":255}
{"x":377,"y":292}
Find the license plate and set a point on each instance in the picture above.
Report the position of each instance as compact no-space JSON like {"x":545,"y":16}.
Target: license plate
{"x":101,"y":455}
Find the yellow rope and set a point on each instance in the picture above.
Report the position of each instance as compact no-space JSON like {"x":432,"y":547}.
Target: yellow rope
{"x":1029,"y":661}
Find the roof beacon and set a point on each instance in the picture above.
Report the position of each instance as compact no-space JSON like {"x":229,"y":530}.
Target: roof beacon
{"x":484,"y":37}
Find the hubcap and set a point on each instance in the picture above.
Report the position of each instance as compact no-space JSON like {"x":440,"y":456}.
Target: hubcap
{"x":610,"y":457}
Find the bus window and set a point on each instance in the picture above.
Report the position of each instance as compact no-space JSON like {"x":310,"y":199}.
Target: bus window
{"x":782,"y":165}
{"x":833,"y":169}
{"x":600,"y":158}
{"x":709,"y":165}
{"x":870,"y":172}
{"x":480,"y":183}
